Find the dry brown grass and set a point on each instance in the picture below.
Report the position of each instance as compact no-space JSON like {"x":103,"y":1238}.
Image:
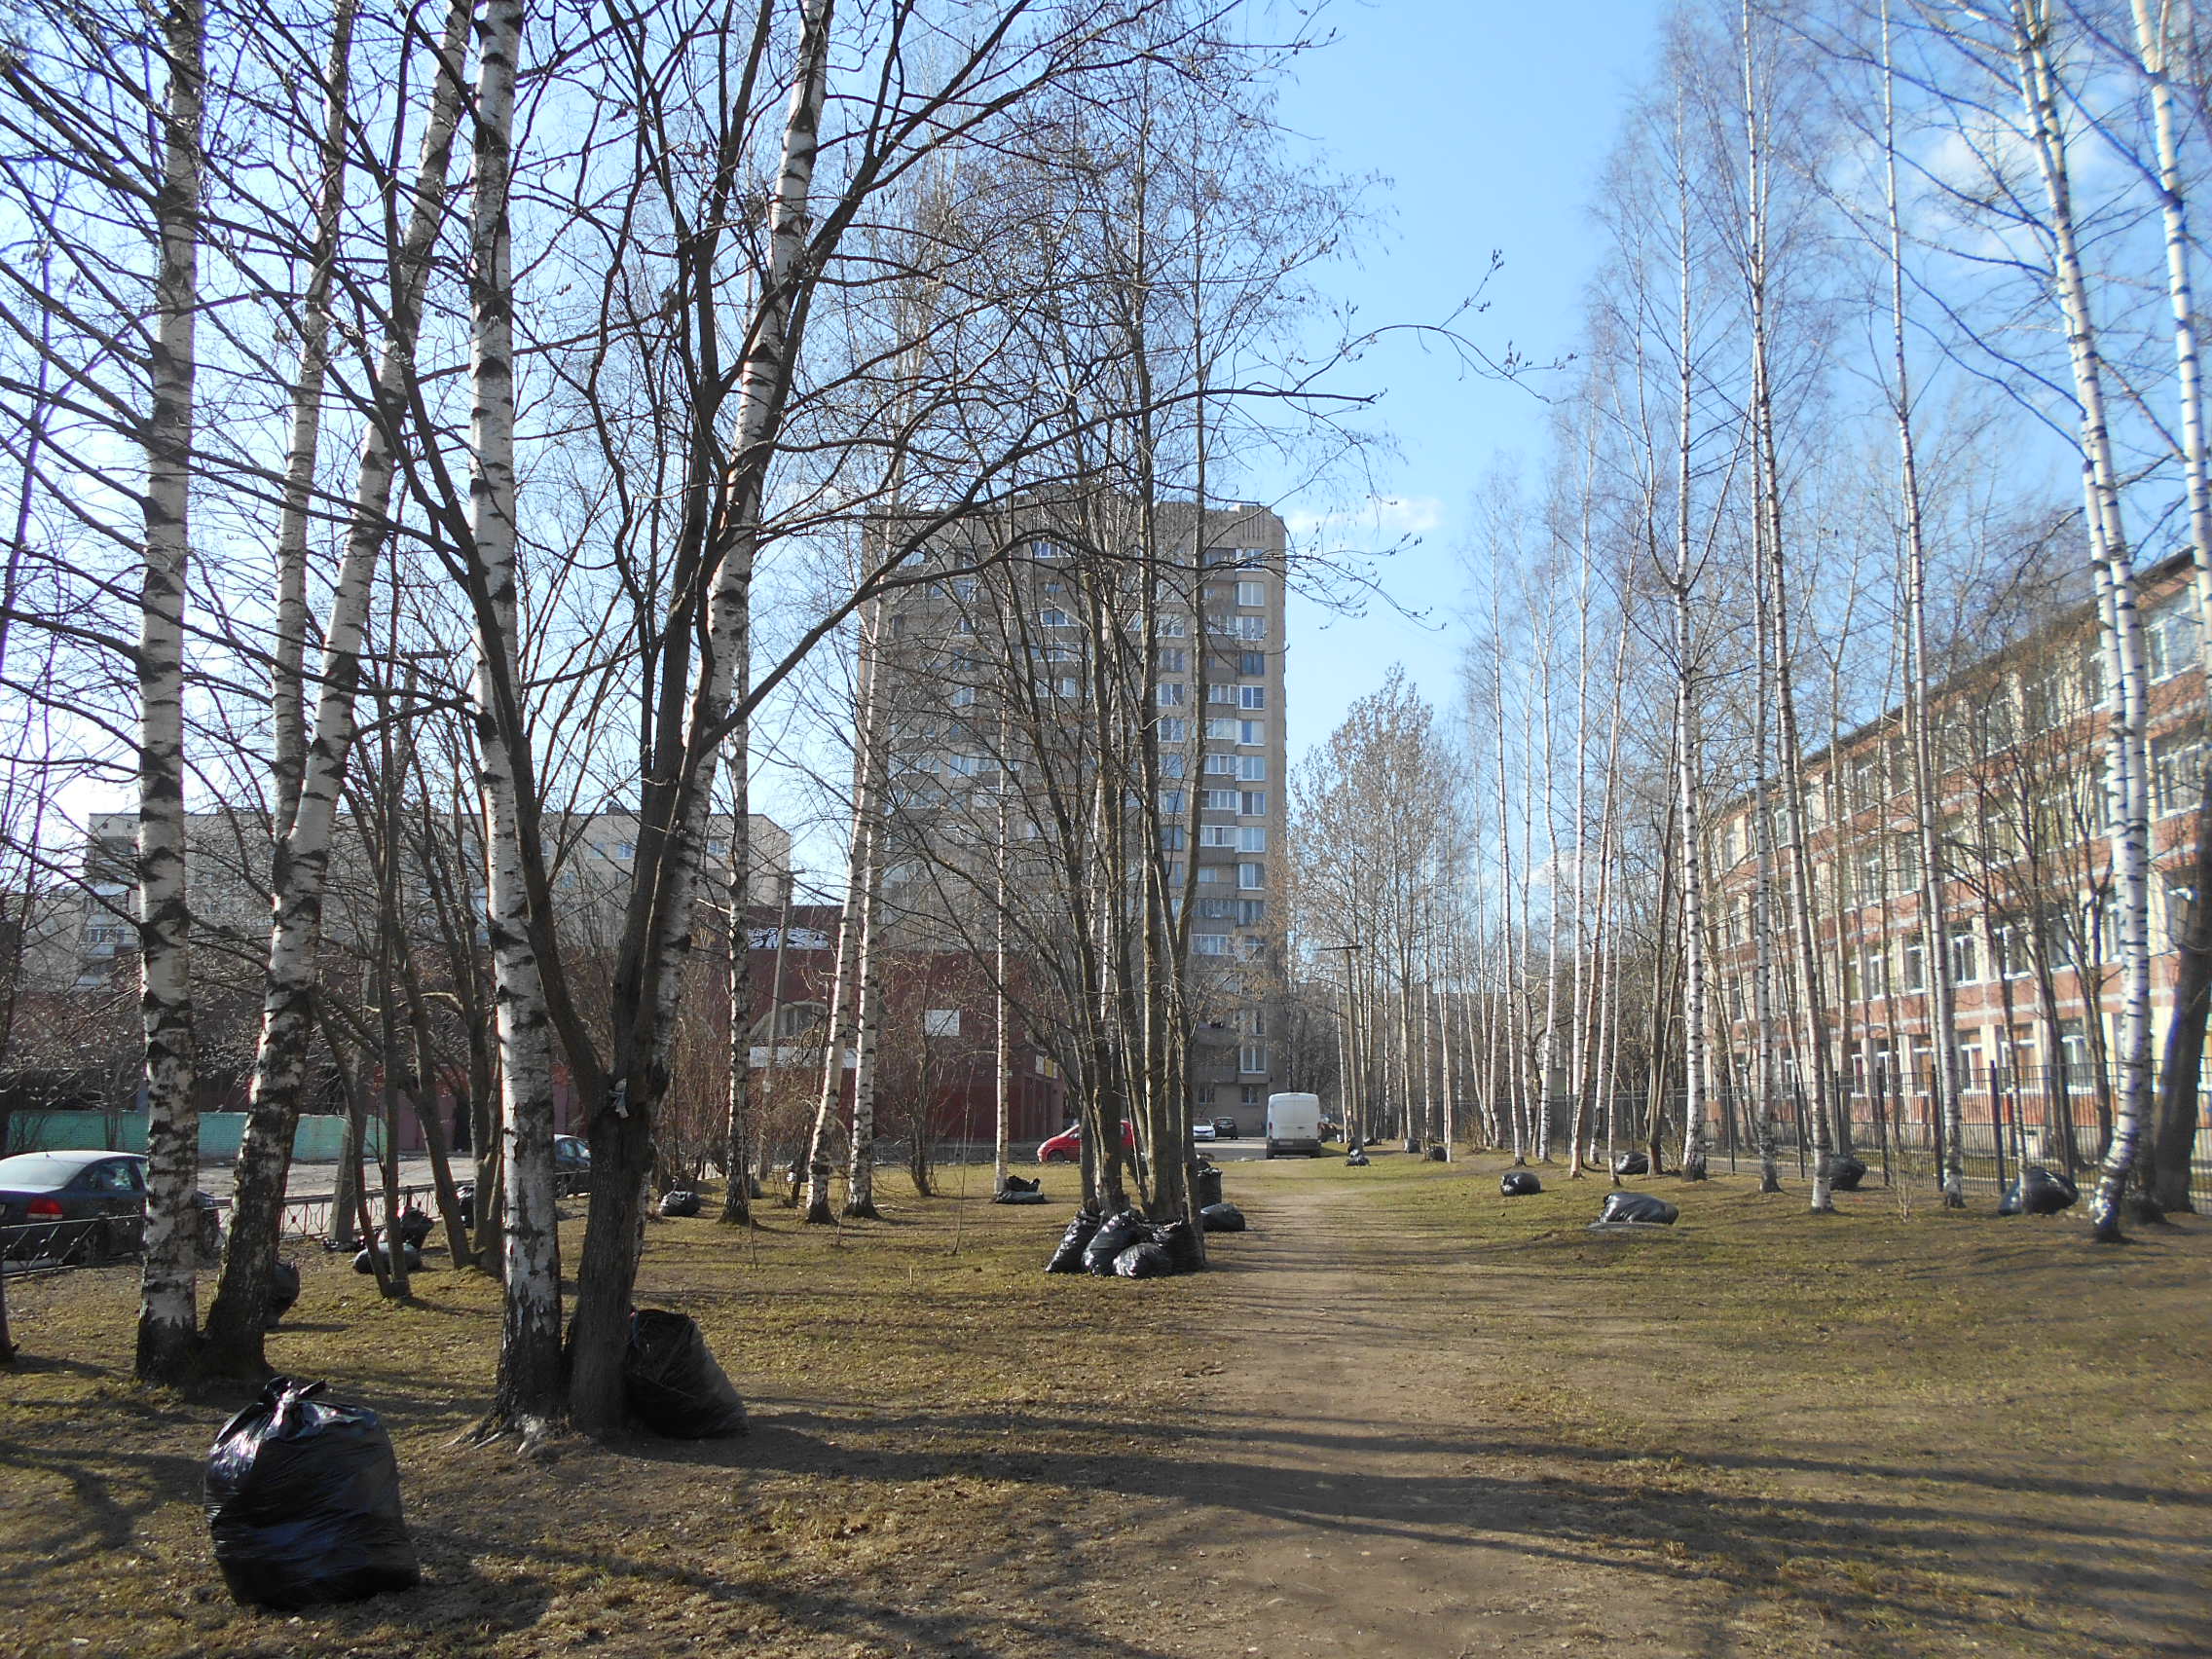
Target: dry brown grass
{"x":1902,"y":1436}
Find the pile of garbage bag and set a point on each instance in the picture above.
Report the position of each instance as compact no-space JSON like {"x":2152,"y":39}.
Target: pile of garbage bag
{"x":680,"y":1203}
{"x":1638,"y":1206}
{"x":1127,"y":1245}
{"x":2039,"y":1192}
{"x":303,"y":1502}
{"x":1519,"y":1183}
{"x":1016,"y":1191}
{"x":1356,"y":1159}
{"x":671,"y":1383}
{"x":1845,"y":1173}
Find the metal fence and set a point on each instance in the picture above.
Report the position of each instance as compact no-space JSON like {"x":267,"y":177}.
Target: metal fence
{"x":51,"y":1246}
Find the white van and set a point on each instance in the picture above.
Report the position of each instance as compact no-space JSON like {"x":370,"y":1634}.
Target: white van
{"x":1294,"y":1124}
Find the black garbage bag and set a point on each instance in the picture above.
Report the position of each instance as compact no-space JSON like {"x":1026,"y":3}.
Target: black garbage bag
{"x":1845,"y":1173}
{"x":303,"y":1502}
{"x":2039,"y":1192}
{"x":465,"y":1201}
{"x":672,"y":1383}
{"x":407,"y":1252}
{"x":1180,"y":1239}
{"x":679,"y":1202}
{"x":1222,"y":1218}
{"x":1631,"y":1164}
{"x":1638,"y":1206}
{"x":283,"y":1291}
{"x":1118,"y":1234}
{"x":1014,"y":1198}
{"x":1067,"y":1256}
{"x":1436,"y":1154}
{"x":1356,"y":1159}
{"x":1016,"y":1184}
{"x":413,"y":1227}
{"x":1143,"y":1261}
{"x":1519,"y":1183}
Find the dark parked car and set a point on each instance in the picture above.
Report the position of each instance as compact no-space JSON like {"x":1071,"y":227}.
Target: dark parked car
{"x":1225,"y":1128}
{"x":571,"y":1165}
{"x":83,"y":1206}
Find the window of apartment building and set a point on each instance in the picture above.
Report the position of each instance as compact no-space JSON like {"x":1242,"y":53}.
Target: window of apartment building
{"x":1251,"y":731}
{"x":1966,"y":959}
{"x":2073,"y":1055}
{"x":1052,"y":616}
{"x":2009,"y":946}
{"x":1251,"y":947}
{"x":1251,"y":696}
{"x":1221,"y":766}
{"x":1204,"y":1096}
{"x":1216,"y":692}
{"x":1250,"y":875}
{"x":1867,"y":880}
{"x":1209,"y":944}
{"x":1170,"y":659}
{"x":2058,"y":940}
{"x":1250,"y":627}
{"x":1222,"y":730}
{"x":1174,"y":627}
{"x":1251,"y":911}
{"x":967,"y":587}
{"x":1168,"y":693}
{"x":2181,"y":904}
{"x":1172,"y":837}
{"x":1252,"y":768}
{"x":2177,"y":772}
{"x":1915,"y":964}
{"x":1217,"y":909}
{"x":1173,"y":729}
{"x":2169,"y":635}
{"x":1217,"y":835}
{"x":1171,"y":801}
{"x":1253,"y":594}
{"x":1874,"y":971}
{"x":1252,"y":1057}
{"x":1047,"y":550}
{"x":1248,"y":1095}
{"x":1252,"y":665}
{"x":1219,"y":801}
{"x":1865,"y":783}
{"x":1254,"y":803}
{"x":1170,"y":765}
{"x":1252,"y":839}
{"x":1214,"y":874}
{"x":964,"y":696}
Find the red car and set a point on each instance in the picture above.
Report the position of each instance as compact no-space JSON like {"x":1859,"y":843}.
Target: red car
{"x":1067,"y":1146}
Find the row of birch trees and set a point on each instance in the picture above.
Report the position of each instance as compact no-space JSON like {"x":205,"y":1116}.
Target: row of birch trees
{"x":1889,"y":400}
{"x":415,"y":412}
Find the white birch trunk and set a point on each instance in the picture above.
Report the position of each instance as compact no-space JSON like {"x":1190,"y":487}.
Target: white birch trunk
{"x":169,"y":1310}
{"x":2126,"y":779}
{"x":300,"y":864}
{"x":875,"y":741}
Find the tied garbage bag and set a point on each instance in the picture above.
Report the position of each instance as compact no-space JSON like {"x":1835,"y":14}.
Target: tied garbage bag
{"x":1179,"y":1241}
{"x":1631,"y":1164}
{"x":413,"y":1228}
{"x":1143,"y":1261}
{"x":1222,"y":1218}
{"x":1519,"y":1183}
{"x":1067,"y":1258}
{"x":1016,"y":1184}
{"x":1119,"y":1233}
{"x":303,"y":1502}
{"x":1845,"y":1175}
{"x":2039,"y":1192}
{"x":283,"y":1291}
{"x":1014,"y":1198}
{"x":679,"y":1202}
{"x":672,"y":1383}
{"x":407,"y":1253}
{"x":1638,"y":1206}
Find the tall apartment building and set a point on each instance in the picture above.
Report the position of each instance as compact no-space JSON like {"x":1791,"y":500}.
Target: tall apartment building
{"x":998,"y":672}
{"x":2025,"y":865}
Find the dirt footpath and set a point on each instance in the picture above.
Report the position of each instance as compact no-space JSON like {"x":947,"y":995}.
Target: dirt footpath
{"x":1344,"y":1499}
{"x":1424,"y":1439}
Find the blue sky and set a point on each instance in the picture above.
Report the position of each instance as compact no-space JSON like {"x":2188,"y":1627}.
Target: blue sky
{"x":1491,"y":124}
